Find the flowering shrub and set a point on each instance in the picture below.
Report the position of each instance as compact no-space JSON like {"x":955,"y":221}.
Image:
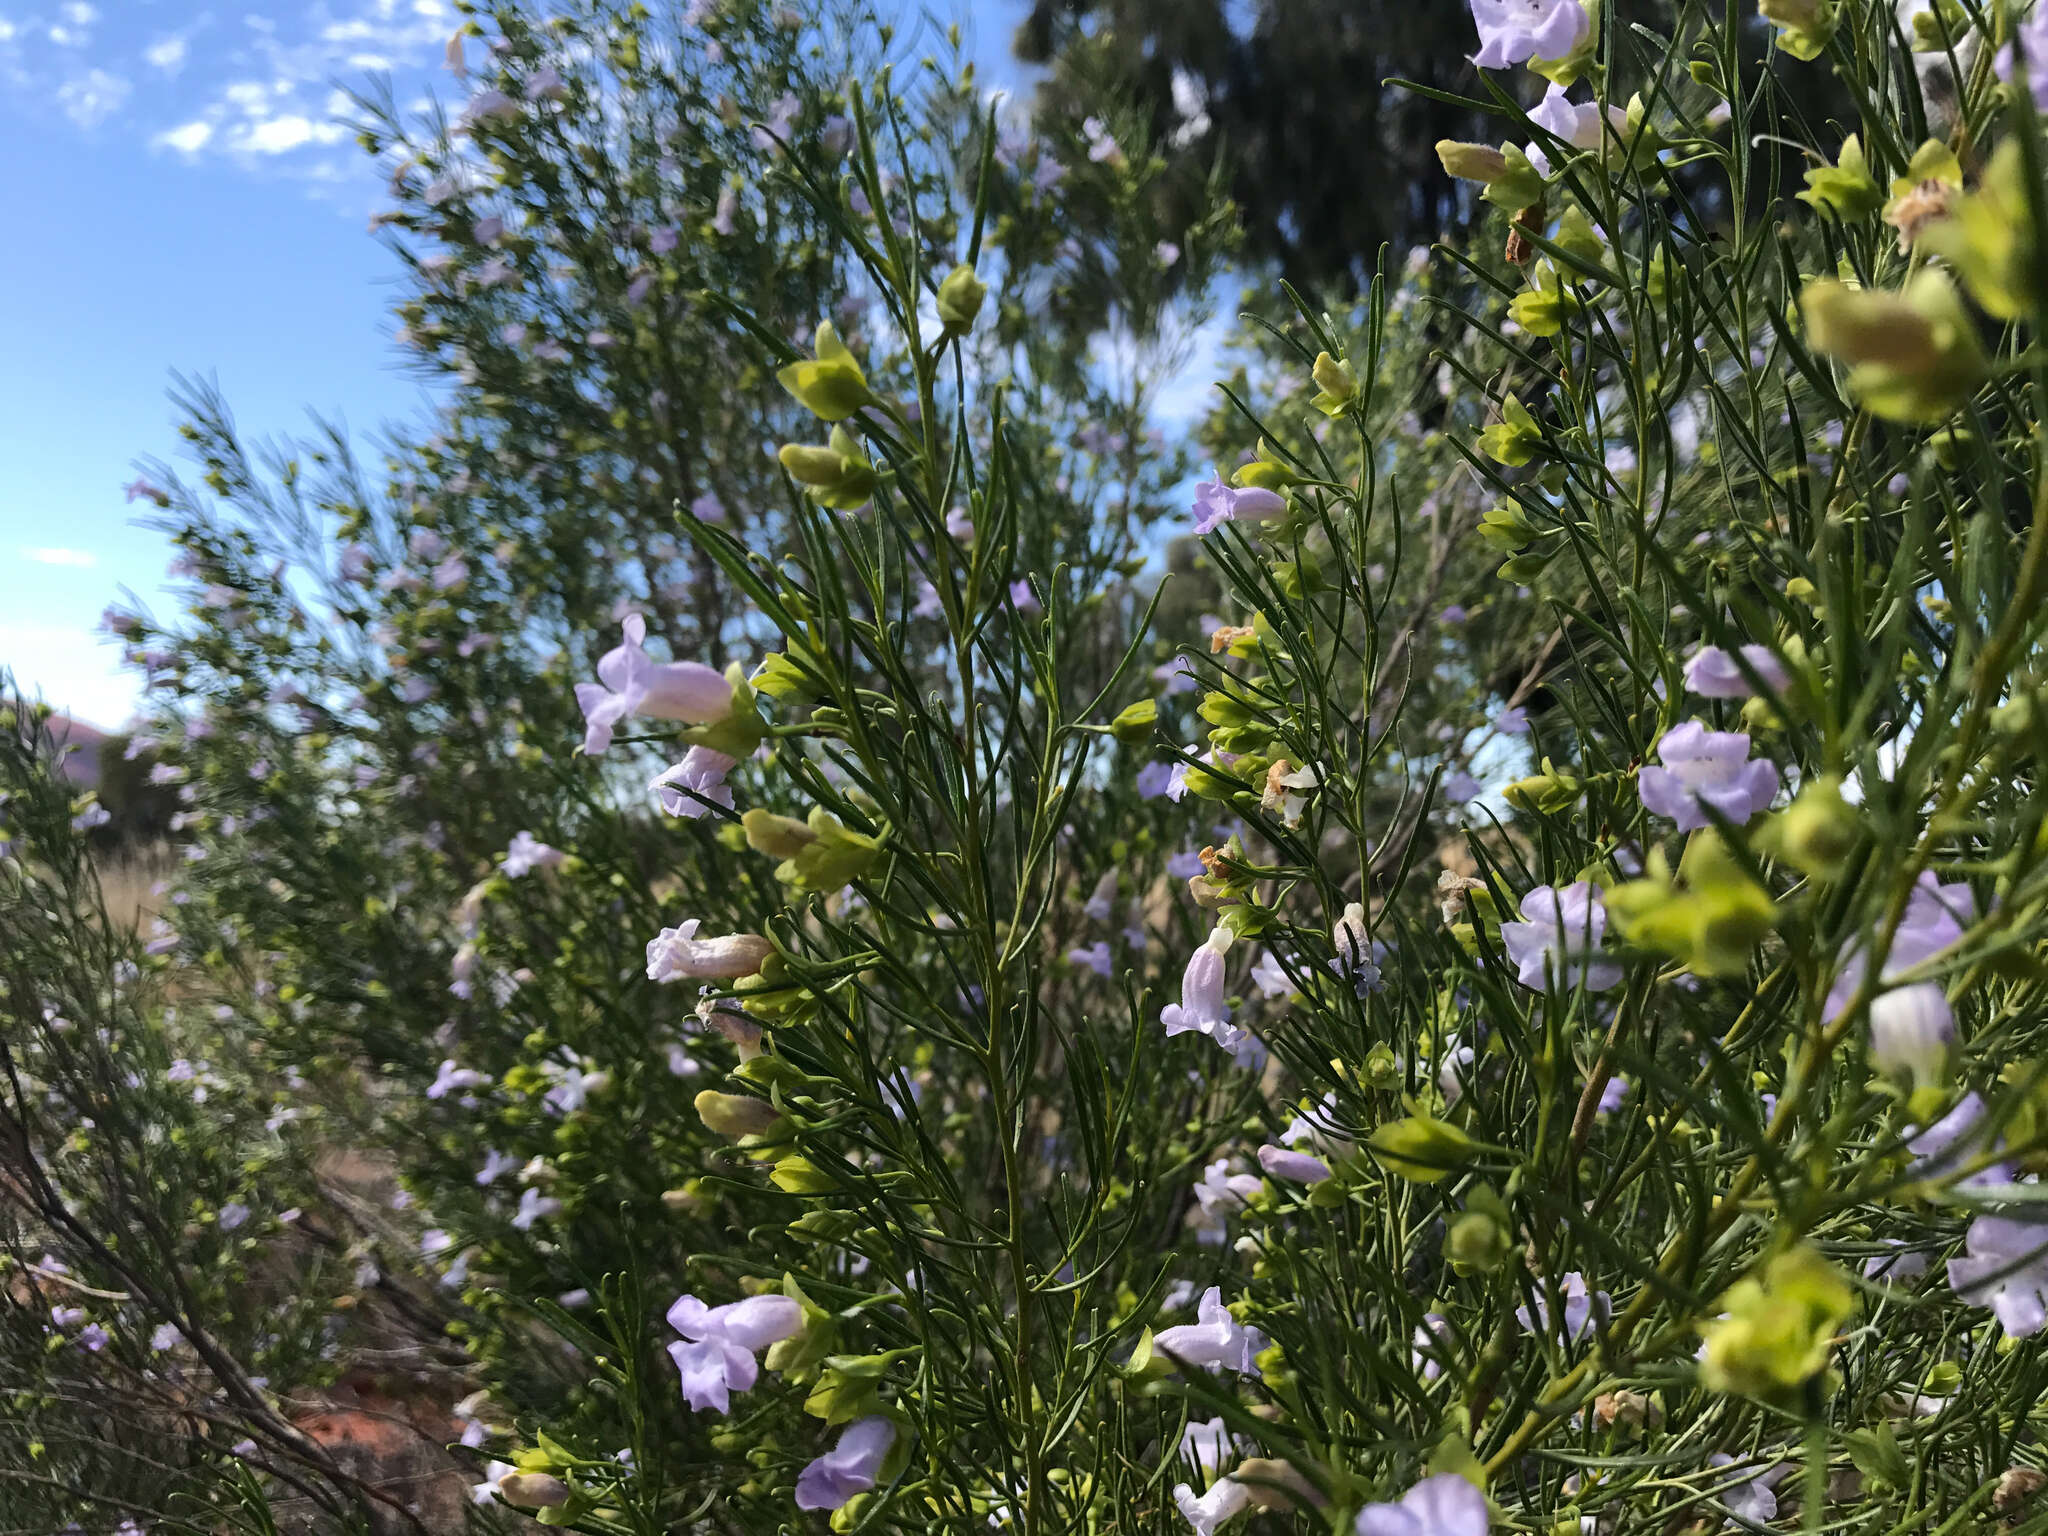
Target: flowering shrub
{"x":1535,"y":1021}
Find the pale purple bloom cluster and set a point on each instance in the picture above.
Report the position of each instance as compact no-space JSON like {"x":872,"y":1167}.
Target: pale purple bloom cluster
{"x":715,"y":1356}
{"x":2005,"y":1268}
{"x":1703,"y":769}
{"x":2030,"y":43}
{"x":1561,"y":929}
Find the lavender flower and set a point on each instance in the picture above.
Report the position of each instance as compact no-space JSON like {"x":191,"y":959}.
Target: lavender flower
{"x":1218,"y":1342}
{"x":1225,"y":1499}
{"x":630,"y":682}
{"x":1201,"y":1007}
{"x":1444,"y":1505}
{"x":1713,"y":674}
{"x":677,"y":954}
{"x":1752,"y":1501}
{"x":1096,"y":957}
{"x":534,"y":1206}
{"x":1515,"y":31}
{"x":716,"y":1354}
{"x":1705,"y":768}
{"x":2005,"y":1268}
{"x":694,"y":785}
{"x":454,"y":1079}
{"x":1561,"y":928}
{"x":527,"y":854}
{"x":1217,"y":503}
{"x":852,"y":1466}
{"x":2030,"y":42}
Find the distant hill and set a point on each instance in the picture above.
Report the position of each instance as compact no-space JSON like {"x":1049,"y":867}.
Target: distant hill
{"x":81,"y":765}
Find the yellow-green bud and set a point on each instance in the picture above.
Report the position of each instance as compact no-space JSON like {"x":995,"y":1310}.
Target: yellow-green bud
{"x":1421,"y":1148}
{"x":830,"y":385}
{"x":735,"y":1114}
{"x":960,"y":297}
{"x":1133,"y":725}
{"x":1480,"y":1240}
{"x":835,"y":855}
{"x":780,"y":837}
{"x":1818,"y":831}
{"x":1777,"y":1328}
{"x":1913,"y":356}
{"x":840,"y":476}
{"x":1338,"y":383}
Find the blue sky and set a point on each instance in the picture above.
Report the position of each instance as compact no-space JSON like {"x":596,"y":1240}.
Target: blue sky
{"x":184,"y":200}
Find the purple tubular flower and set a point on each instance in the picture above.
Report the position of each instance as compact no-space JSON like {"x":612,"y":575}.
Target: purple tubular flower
{"x":852,"y":1466}
{"x":1706,"y":768}
{"x":1444,"y":1505}
{"x":1515,"y":31}
{"x":1713,"y":674}
{"x":1217,"y":503}
{"x":1219,"y":1341}
{"x":630,"y":682}
{"x":716,"y":1355}
{"x":1201,"y":1008}
{"x":1564,"y":927}
{"x":2006,"y":1269}
{"x":677,"y":954}
{"x":1294,"y":1167}
{"x":695,"y":784}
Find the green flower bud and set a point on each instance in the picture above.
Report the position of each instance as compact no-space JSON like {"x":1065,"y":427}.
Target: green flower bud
{"x":960,"y":297}
{"x":1846,"y":188}
{"x":533,"y":1490}
{"x":1544,"y":793}
{"x":1818,"y":831}
{"x":1805,"y":27}
{"x":1778,"y":1327}
{"x":1266,"y":472}
{"x":1421,"y":1148}
{"x":1481,"y":1239}
{"x":1472,"y":162}
{"x":835,"y":855}
{"x":1133,"y":725}
{"x":1913,"y":356}
{"x":1515,"y":438}
{"x":736,"y":1115}
{"x":780,"y":837}
{"x":1338,"y":383}
{"x":831,"y":385}
{"x":840,"y":476}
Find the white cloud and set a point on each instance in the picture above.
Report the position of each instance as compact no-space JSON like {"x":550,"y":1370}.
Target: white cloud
{"x":81,"y":559}
{"x":188,"y":139}
{"x":278,"y":135}
{"x":167,"y":54}
{"x":7,"y":30}
{"x":89,"y":99}
{"x":79,"y":14}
